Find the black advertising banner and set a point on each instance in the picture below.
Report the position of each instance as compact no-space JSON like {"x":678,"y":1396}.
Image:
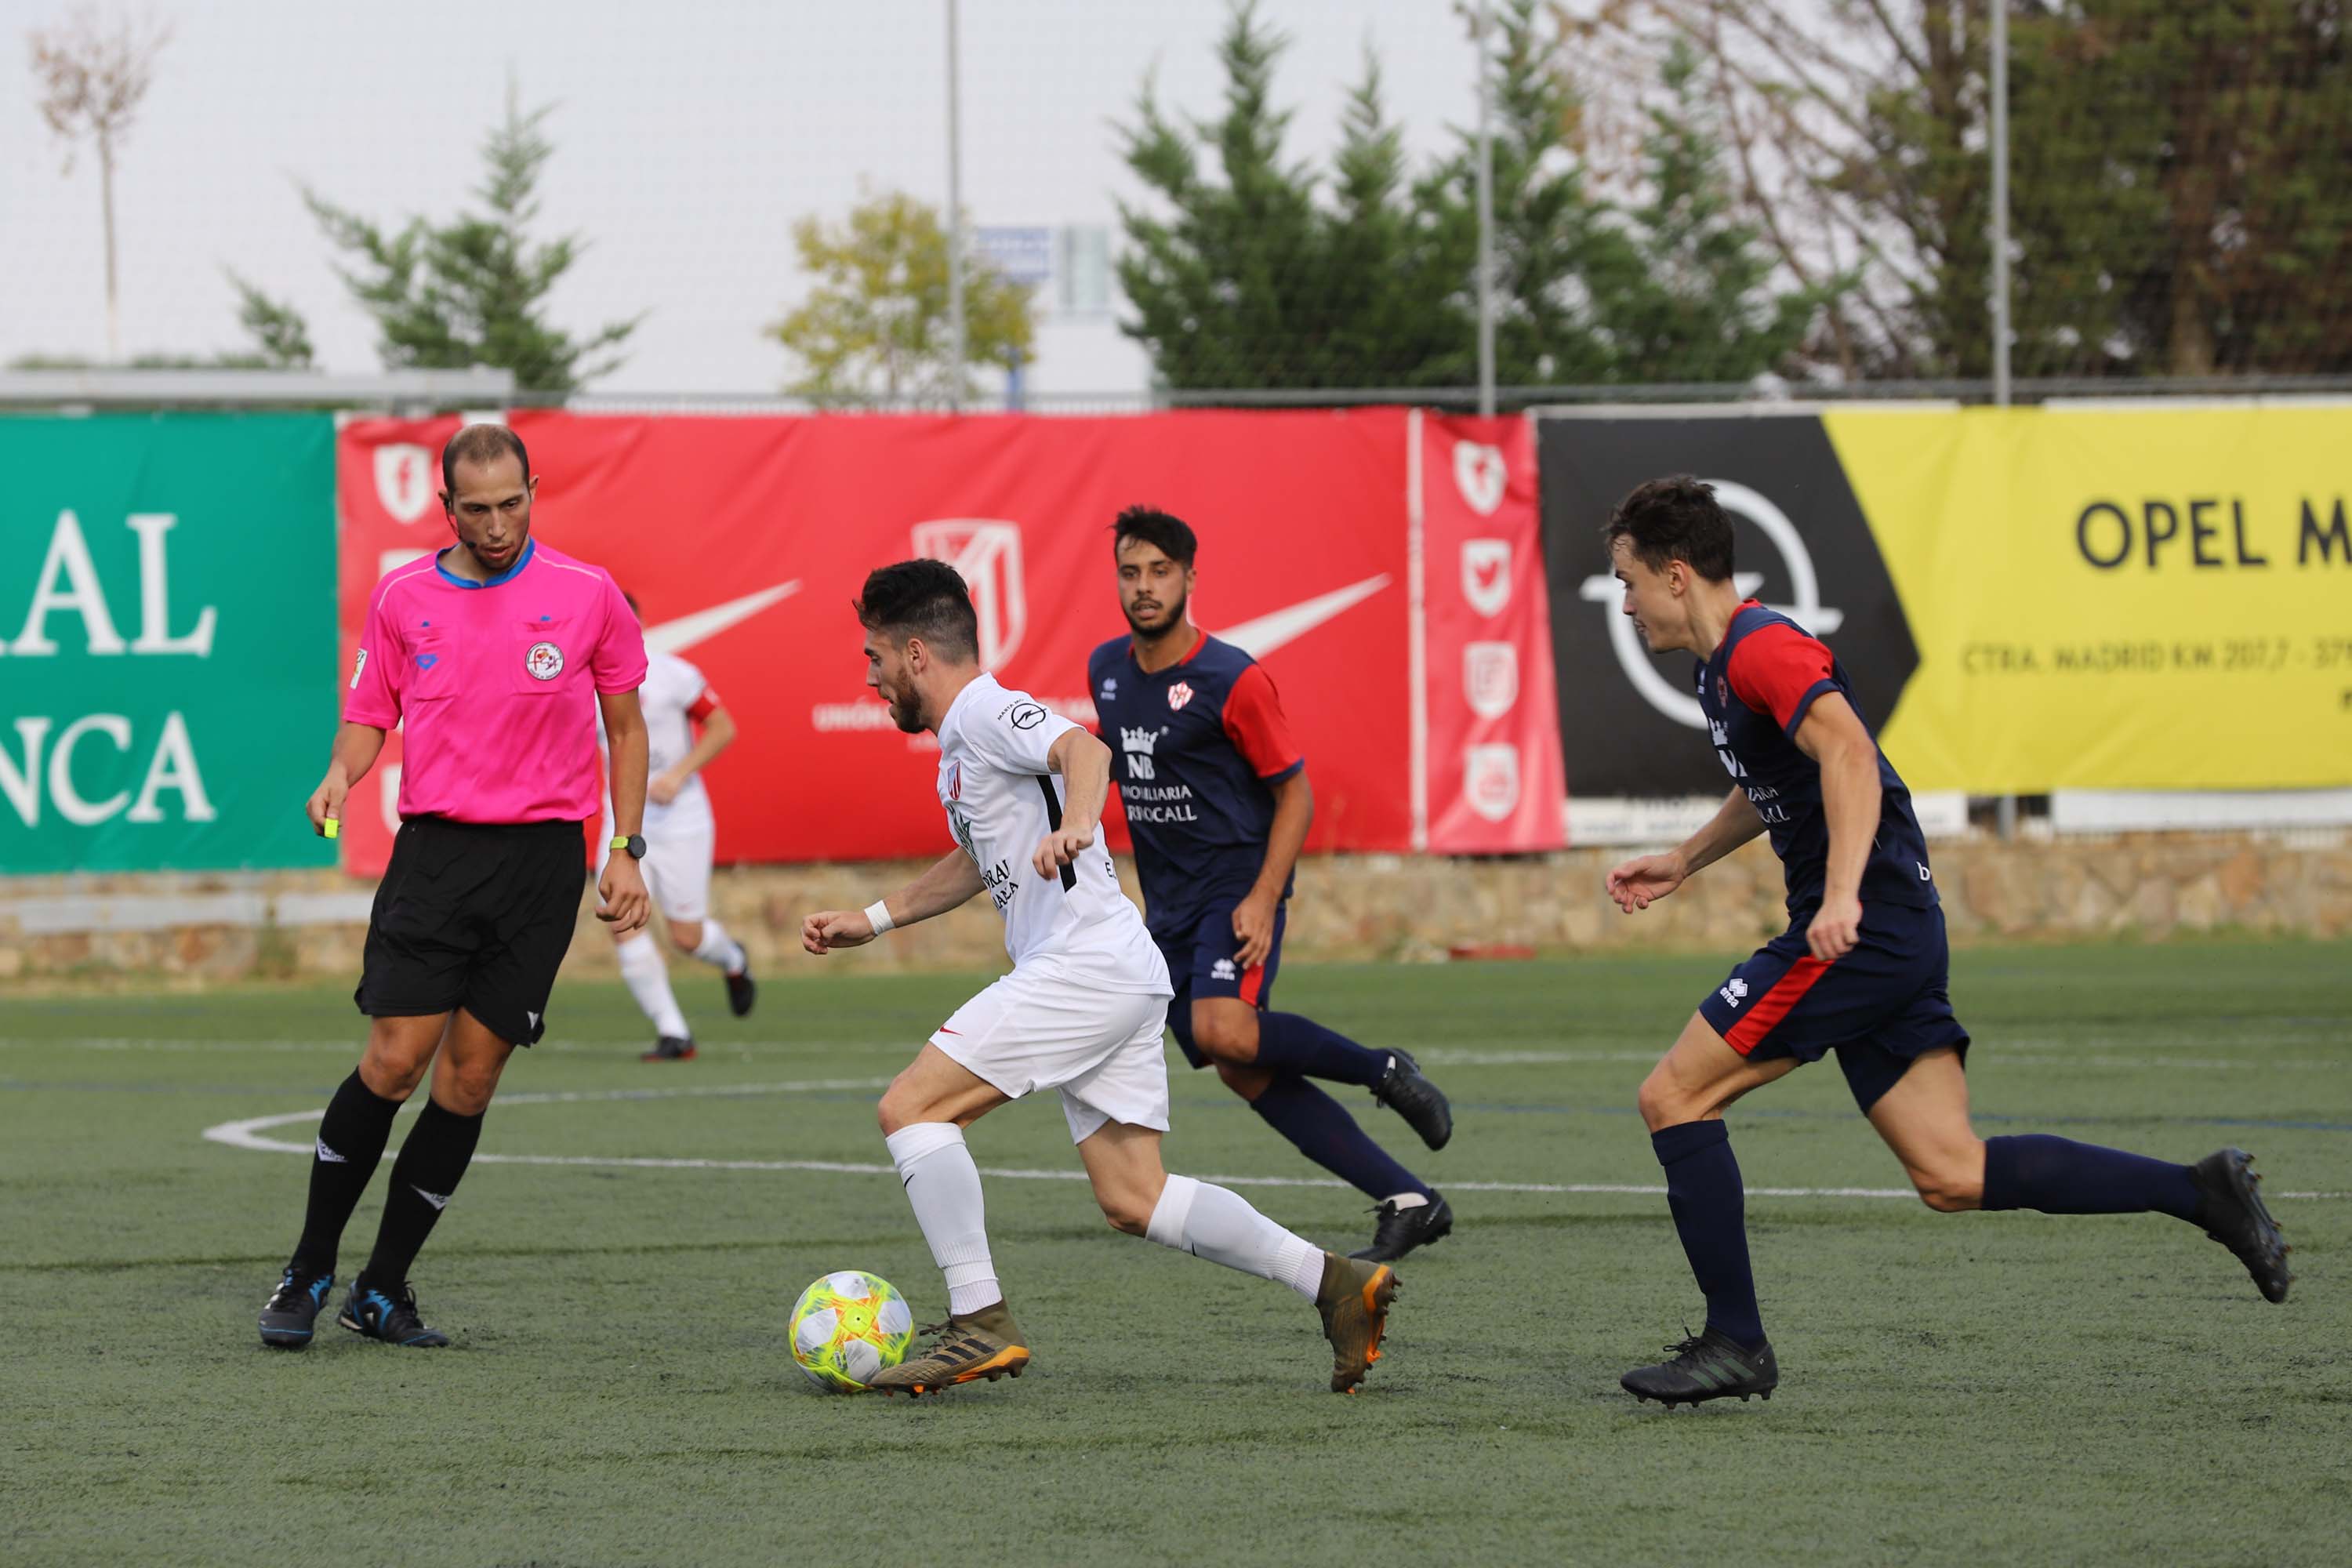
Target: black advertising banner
{"x":1628,"y":722}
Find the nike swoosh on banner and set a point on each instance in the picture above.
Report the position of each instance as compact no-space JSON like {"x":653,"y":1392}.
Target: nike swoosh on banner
{"x":1261,"y":637}
{"x":678,"y":636}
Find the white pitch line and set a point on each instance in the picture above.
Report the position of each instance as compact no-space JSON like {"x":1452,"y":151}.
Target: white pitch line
{"x":248,"y":1134}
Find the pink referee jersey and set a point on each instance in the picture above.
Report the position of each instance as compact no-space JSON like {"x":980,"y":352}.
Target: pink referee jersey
{"x":498,"y":684}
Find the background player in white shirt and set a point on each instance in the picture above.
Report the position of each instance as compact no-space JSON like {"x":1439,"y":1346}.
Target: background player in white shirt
{"x":1081,"y":1012}
{"x":679,"y":831}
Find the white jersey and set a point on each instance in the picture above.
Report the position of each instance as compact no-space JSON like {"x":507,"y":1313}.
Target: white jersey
{"x":673,"y":696}
{"x":1001,"y":798}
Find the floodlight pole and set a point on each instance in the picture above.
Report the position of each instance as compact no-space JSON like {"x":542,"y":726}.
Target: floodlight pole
{"x":955,"y":221}
{"x":2005,"y":810}
{"x":1480,"y":27}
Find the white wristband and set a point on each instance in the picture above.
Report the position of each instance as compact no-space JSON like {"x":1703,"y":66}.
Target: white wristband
{"x":878,"y":911}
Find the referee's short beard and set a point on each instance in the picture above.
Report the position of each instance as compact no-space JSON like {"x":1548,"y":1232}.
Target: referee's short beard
{"x":1170,"y":620}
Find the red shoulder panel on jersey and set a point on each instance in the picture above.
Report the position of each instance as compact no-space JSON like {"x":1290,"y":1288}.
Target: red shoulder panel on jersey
{"x":1254,"y":724}
{"x":1778,"y":670}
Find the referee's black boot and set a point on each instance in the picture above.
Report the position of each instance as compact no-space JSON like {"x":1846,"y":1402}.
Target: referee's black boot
{"x":293,"y":1307}
{"x":1421,"y":1103}
{"x":671,"y":1048}
{"x":376,"y":1315}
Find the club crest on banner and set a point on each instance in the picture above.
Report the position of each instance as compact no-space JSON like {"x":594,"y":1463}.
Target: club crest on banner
{"x":987,"y":554}
{"x":404,"y":479}
{"x":1490,"y":677}
{"x":1490,"y":781}
{"x":1481,"y":474}
{"x":1486,"y":574}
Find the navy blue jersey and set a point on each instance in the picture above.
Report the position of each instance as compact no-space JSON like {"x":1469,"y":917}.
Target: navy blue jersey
{"x":1757,"y":689}
{"x":1194,"y":747}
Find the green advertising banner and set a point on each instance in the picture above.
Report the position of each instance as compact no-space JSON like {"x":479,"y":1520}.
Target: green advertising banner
{"x":167,"y":640}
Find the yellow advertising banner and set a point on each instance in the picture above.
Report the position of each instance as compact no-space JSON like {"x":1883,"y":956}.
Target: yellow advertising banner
{"x":2144,"y":598}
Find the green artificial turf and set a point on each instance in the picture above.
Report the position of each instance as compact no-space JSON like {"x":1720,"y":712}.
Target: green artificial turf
{"x":1956,"y":1388}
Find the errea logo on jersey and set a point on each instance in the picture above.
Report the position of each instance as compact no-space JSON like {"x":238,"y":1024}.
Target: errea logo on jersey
{"x":1735,"y":991}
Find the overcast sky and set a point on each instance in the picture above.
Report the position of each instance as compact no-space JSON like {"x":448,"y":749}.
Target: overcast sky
{"x":690,"y":136}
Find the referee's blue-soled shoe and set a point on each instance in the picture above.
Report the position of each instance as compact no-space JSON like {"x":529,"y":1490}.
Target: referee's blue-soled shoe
{"x":292,"y":1307}
{"x":369,"y":1313}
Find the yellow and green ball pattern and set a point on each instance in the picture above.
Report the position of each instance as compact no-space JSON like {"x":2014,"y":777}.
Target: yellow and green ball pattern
{"x":847,"y":1327}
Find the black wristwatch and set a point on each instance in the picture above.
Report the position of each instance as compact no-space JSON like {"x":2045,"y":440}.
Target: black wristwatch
{"x":635,"y":844}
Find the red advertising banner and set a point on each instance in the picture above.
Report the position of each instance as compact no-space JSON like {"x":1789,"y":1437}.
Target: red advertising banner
{"x":1491,"y":779}
{"x":744,"y":540}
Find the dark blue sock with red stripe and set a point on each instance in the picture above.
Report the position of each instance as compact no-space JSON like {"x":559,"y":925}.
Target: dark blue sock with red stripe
{"x":1287,"y":1042}
{"x":1325,"y":1133}
{"x":1709,"y":1205}
{"x":2058,"y":1175}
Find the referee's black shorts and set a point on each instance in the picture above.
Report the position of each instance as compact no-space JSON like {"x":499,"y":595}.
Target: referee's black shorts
{"x":474,"y":915}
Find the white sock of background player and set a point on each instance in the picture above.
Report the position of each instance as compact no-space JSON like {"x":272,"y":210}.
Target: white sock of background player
{"x":649,"y":979}
{"x":1219,"y":1224}
{"x":943,"y":1187}
{"x":719,"y":949}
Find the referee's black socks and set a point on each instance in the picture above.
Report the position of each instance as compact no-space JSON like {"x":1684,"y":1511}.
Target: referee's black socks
{"x":351,"y":1142}
{"x":433,"y":1160}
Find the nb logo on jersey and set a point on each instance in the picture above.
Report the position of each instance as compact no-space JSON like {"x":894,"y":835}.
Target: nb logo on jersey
{"x":1221,"y":970}
{"x":1138,"y":745}
{"x":1735,"y":993}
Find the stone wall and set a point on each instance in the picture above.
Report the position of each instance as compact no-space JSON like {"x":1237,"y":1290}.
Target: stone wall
{"x":193,"y":930}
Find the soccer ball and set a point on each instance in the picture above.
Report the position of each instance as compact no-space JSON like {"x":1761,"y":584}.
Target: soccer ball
{"x":848,"y":1326}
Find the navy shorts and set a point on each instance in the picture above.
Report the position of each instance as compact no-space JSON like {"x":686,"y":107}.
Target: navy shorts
{"x":1879,"y":1007}
{"x":1199,"y":948}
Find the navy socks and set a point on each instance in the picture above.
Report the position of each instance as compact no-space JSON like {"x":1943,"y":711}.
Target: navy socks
{"x":1709,"y":1205}
{"x":2058,"y":1175}
{"x":1287,"y":1042}
{"x":1326,"y":1134}
{"x":350,"y":1143}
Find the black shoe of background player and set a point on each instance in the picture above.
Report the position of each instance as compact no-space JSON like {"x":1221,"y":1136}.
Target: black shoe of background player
{"x":1420,"y":1103}
{"x":1401,"y":1230}
{"x":2231,"y":1209}
{"x":740,"y":991}
{"x":671,"y":1048}
{"x":392,"y":1319}
{"x":1714,"y":1365}
{"x":293,"y":1307}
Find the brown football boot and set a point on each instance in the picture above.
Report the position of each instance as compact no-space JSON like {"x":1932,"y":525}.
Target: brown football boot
{"x":965,"y":1349}
{"x":1354,"y":1301}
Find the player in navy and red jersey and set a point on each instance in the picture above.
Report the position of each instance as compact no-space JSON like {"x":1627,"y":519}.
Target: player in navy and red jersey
{"x":1217,"y":799}
{"x":1861,"y":970}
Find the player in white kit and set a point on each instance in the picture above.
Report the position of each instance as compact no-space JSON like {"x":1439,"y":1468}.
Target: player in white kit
{"x":1081,"y":1012}
{"x":679,"y":832}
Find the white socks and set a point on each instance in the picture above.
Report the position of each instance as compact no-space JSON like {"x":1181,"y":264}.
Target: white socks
{"x":648,"y":980}
{"x":719,"y":949}
{"x":943,"y":1187}
{"x":1219,"y":1224}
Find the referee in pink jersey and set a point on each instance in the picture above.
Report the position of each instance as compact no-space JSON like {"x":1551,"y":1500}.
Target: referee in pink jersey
{"x":496,"y":655}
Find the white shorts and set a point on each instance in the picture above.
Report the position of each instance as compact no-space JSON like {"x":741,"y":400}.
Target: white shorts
{"x":1102,"y":1049}
{"x":676,"y":869}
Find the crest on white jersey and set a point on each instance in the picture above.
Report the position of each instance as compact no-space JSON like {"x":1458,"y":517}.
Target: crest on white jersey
{"x":1490,"y":677}
{"x":1486,"y":574}
{"x":987,"y":554}
{"x":404,"y":479}
{"x":1481,"y":474}
{"x":1490,"y":781}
